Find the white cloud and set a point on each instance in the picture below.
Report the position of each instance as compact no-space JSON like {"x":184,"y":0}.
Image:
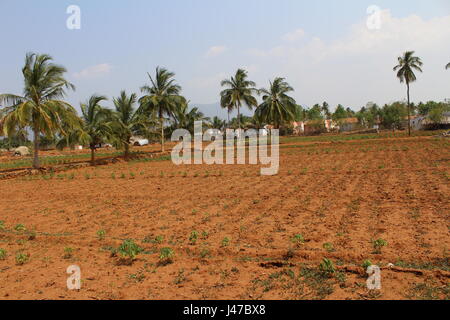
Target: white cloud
{"x":294,"y":36}
{"x":93,"y":71}
{"x":215,"y":51}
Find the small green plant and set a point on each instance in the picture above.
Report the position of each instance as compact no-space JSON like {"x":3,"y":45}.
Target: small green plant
{"x":132,"y":175}
{"x":71,"y":176}
{"x":204,"y":253}
{"x":166,"y":256}
{"x":128,"y":250}
{"x":122,"y":176}
{"x":2,"y":225}
{"x":2,"y":254}
{"x":327,"y":267}
{"x":298,"y":239}
{"x":20,"y":228}
{"x":378,"y":245}
{"x":113,"y":176}
{"x":328,"y":246}
{"x":21,"y":258}
{"x":366,"y":264}
{"x":225,"y":242}
{"x":87,"y":176}
{"x":101,"y":234}
{"x":68,"y":253}
{"x":193,"y":237}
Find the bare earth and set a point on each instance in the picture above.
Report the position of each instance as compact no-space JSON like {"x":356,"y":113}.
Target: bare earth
{"x":345,"y":194}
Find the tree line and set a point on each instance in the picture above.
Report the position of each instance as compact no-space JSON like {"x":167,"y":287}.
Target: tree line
{"x":161,"y":108}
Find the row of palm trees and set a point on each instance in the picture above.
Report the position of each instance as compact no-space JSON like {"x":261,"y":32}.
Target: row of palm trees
{"x":42,"y":109}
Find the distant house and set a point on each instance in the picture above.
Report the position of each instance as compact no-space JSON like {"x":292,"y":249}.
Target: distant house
{"x":422,"y":122}
{"x":348,"y":124}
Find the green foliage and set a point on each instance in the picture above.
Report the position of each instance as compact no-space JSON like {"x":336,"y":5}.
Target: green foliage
{"x":366,"y":264}
{"x":2,"y":254}
{"x":101,"y":234}
{"x":166,"y":255}
{"x":20,"y":228}
{"x":21,"y":258}
{"x":277,"y":107}
{"x":41,"y":107}
{"x":327,"y":267}
{"x":298,"y":239}
{"x":328,"y":247}
{"x":225,"y":242}
{"x":239,"y":91}
{"x":193,"y":237}
{"x":129,"y":250}
{"x":378,"y":244}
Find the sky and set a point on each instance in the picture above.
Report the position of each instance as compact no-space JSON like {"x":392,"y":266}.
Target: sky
{"x":327,"y":50}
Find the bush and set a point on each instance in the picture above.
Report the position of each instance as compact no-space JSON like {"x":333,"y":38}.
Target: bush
{"x":21,"y":258}
{"x":128,"y":250}
{"x":166,"y":256}
{"x":327,"y":267}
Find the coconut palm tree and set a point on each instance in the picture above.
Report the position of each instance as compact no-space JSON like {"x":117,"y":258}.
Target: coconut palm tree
{"x":239,"y":90}
{"x":96,"y":126}
{"x":277,"y":106}
{"x":126,"y":121}
{"x":405,"y":72}
{"x":40,"y":107}
{"x":162,"y":97}
{"x":218,"y":123}
{"x":185,"y":118}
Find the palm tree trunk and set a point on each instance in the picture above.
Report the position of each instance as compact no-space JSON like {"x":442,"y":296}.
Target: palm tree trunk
{"x":239,"y":116}
{"x":162,"y":134}
{"x":409,"y":111}
{"x":127,"y":151}
{"x":92,"y":155}
{"x":36,"y":164}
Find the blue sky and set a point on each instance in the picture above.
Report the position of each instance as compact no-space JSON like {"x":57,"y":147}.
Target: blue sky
{"x":321,"y":47}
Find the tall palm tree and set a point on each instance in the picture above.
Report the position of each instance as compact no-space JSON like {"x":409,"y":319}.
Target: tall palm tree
{"x":40,"y":107}
{"x":162,"y":97}
{"x":405,"y":72}
{"x":126,"y":121}
{"x":97,"y":124}
{"x":277,"y":106}
{"x":239,"y":90}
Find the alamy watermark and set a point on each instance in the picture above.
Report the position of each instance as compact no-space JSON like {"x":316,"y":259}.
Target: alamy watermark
{"x":221,"y":148}
{"x":73,"y":22}
{"x":374,"y":20}
{"x":74,"y":280}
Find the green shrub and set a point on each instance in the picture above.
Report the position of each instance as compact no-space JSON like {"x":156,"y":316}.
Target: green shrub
{"x":193,"y":237}
{"x":225,"y":242}
{"x":378,"y":244}
{"x":166,"y":256}
{"x":21,"y":258}
{"x":327,"y":267}
{"x":129,"y":250}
